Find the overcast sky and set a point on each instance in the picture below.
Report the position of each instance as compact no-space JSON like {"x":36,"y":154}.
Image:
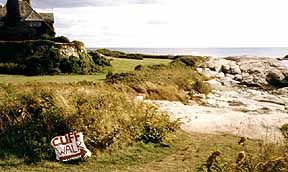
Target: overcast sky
{"x":171,"y":23}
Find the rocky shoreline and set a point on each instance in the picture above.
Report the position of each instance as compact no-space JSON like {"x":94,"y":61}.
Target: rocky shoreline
{"x":249,"y":98}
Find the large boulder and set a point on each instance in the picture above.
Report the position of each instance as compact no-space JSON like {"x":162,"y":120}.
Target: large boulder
{"x":250,"y":71}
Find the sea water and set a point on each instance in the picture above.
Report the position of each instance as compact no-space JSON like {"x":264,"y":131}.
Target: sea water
{"x":276,"y":52}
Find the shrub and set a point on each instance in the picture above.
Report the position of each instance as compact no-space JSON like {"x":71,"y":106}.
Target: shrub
{"x":284,"y":131}
{"x":78,"y":44}
{"x":43,"y":65}
{"x":30,"y":119}
{"x":138,"y":67}
{"x":119,"y":54}
{"x":202,"y":87}
{"x":169,"y":82}
{"x":269,"y":158}
{"x":71,"y":65}
{"x":110,"y":53}
{"x":157,"y":130}
{"x":99,"y":59}
{"x":11,"y":68}
{"x":60,"y":39}
{"x":42,"y":57}
{"x":33,"y":120}
{"x":191,"y":61}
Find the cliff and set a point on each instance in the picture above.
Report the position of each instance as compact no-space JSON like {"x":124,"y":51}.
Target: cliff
{"x":38,"y":57}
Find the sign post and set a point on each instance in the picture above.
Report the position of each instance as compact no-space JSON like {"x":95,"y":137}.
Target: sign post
{"x":70,"y":146}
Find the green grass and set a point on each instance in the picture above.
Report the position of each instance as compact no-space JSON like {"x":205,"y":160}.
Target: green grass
{"x":186,"y":154}
{"x":119,"y":65}
{"x":125,"y":65}
{"x":47,"y":78}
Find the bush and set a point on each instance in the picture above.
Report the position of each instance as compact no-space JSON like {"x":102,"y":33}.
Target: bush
{"x":157,"y":130}
{"x":78,"y":44}
{"x":202,"y":87}
{"x":169,"y":82}
{"x":191,"y":61}
{"x":60,"y":39}
{"x":99,"y":59}
{"x":284,"y":131}
{"x":119,"y":54}
{"x":269,"y":158}
{"x":11,"y":68}
{"x":43,"y":65}
{"x":138,"y":68}
{"x":110,"y":53}
{"x":42,"y":57}
{"x":30,"y":123}
{"x":71,"y":65}
{"x":30,"y":119}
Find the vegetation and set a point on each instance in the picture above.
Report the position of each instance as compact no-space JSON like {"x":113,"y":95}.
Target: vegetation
{"x":43,"y":57}
{"x":99,"y":59}
{"x":119,"y":54}
{"x":188,"y":152}
{"x":124,"y":134}
{"x":31,"y":116}
{"x":60,"y":39}
{"x":118,"y":66}
{"x":169,"y":82}
{"x":267,"y":158}
{"x":191,"y":61}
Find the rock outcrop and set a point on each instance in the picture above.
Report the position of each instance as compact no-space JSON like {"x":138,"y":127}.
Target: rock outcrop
{"x":249,"y":71}
{"x":246,"y":100}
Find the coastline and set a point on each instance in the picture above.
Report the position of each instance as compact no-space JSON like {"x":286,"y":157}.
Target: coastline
{"x":272,"y":52}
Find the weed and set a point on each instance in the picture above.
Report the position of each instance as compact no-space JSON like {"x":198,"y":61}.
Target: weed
{"x":29,"y":119}
{"x":269,"y":158}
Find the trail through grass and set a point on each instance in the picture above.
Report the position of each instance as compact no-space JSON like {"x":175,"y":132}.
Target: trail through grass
{"x":188,"y":151}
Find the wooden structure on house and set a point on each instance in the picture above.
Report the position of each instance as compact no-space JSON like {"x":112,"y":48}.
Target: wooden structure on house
{"x":19,"y":21}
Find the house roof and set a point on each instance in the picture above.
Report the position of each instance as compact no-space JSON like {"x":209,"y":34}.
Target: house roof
{"x":29,"y":14}
{"x":49,"y":17}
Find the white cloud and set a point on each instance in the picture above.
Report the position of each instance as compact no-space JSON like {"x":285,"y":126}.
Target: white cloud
{"x":170,"y":23}
{"x":182,"y":23}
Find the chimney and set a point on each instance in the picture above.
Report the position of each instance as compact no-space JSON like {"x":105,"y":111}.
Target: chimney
{"x":13,"y":12}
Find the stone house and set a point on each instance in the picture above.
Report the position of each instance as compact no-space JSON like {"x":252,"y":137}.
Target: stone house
{"x":19,"y":21}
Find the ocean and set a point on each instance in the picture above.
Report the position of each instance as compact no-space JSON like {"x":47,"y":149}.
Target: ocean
{"x":276,"y":52}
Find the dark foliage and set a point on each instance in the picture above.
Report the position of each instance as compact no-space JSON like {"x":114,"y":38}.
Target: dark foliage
{"x":42,"y":57}
{"x":99,"y":59}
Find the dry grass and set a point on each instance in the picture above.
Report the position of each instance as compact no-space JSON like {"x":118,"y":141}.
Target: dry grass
{"x":169,"y":82}
{"x":187,"y":153}
{"x":112,"y":105}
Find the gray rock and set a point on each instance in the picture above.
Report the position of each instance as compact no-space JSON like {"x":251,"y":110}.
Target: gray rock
{"x":238,"y":77}
{"x":250,"y":71}
{"x":220,"y":75}
{"x":235,"y":69}
{"x":214,"y":83}
{"x":207,"y":72}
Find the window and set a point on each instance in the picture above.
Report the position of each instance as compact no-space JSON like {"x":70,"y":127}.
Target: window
{"x":35,"y":24}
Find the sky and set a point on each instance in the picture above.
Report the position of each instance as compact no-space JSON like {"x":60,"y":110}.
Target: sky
{"x":170,"y":23}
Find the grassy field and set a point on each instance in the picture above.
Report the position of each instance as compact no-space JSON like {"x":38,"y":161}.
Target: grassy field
{"x":119,"y":65}
{"x":186,"y":154}
{"x":187,"y":151}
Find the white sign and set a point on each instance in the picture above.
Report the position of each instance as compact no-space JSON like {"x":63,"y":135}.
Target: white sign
{"x":70,"y":146}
